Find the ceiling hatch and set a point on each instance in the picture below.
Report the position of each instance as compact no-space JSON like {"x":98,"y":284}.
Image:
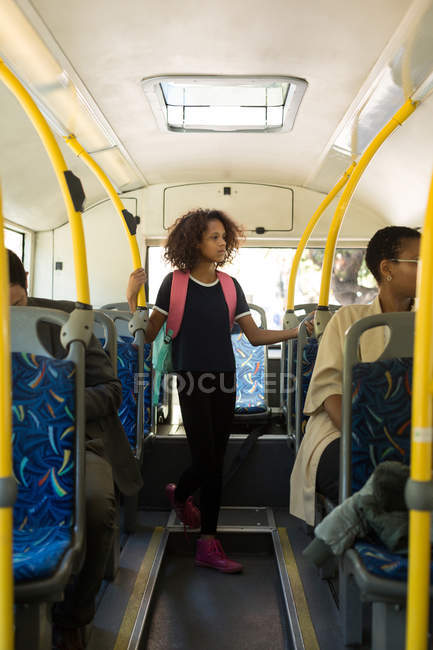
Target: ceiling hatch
{"x":224,"y":103}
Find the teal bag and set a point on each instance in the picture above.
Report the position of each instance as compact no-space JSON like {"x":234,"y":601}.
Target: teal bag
{"x":161,"y":360}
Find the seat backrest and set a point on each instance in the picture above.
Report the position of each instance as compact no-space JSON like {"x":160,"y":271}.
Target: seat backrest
{"x":105,"y":331}
{"x":134,"y":371}
{"x":251,"y":370}
{"x":120,"y":306}
{"x":381,"y":415}
{"x":48,"y":438}
{"x":376,"y":400}
{"x":306,"y":352}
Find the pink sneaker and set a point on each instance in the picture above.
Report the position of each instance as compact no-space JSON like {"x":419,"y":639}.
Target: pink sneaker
{"x":210,"y":554}
{"x":187,"y":512}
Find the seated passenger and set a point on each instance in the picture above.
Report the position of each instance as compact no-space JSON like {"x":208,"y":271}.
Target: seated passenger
{"x":392,"y":257}
{"x":108,"y":456}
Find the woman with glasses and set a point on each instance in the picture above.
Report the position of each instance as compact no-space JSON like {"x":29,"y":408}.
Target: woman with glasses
{"x":392,"y":256}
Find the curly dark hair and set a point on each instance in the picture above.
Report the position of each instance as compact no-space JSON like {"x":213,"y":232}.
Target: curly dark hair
{"x":181,"y":247}
{"x":386,"y":244}
{"x":17,"y":273}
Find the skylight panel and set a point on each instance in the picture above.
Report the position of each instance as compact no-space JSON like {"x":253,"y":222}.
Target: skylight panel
{"x":224,"y":103}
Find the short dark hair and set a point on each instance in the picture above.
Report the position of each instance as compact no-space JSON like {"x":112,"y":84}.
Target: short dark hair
{"x":17,"y":273}
{"x":386,"y":244}
{"x":181,"y":248}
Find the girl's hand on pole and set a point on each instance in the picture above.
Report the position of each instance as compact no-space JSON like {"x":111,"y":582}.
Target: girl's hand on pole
{"x":136,"y":280}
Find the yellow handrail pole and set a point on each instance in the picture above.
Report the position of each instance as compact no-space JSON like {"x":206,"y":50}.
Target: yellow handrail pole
{"x":421,"y":447}
{"x":307,"y":232}
{"x":82,"y":153}
{"x":6,"y":572}
{"x":59,"y":165}
{"x":397,"y":119}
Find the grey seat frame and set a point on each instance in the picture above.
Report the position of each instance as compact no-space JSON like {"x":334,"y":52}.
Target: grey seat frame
{"x":287,"y":400}
{"x":302,"y":339}
{"x":105,"y":328}
{"x":118,"y":316}
{"x":388,"y":597}
{"x":33,"y":598}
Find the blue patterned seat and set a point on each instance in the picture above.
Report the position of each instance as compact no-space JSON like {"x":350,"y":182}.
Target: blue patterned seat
{"x":381,"y":562}
{"x":127,"y":368}
{"x":43,"y":425}
{"x":381,"y":429}
{"x":250,"y":376}
{"x":381,"y":415}
{"x":309,"y":354}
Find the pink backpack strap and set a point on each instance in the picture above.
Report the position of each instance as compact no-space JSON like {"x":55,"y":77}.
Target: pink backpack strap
{"x":229,"y":291}
{"x":179,"y":288}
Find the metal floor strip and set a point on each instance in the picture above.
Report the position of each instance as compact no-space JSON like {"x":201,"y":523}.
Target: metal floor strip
{"x":130,"y":616}
{"x":303,"y":613}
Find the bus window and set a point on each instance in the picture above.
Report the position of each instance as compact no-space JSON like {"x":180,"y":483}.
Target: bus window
{"x":259,"y":269}
{"x":14,"y":240}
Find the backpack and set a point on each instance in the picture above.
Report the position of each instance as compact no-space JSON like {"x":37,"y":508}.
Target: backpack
{"x":161,"y":353}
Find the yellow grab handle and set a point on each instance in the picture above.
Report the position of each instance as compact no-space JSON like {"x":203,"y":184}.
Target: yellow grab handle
{"x":398,"y":118}
{"x":59,"y":165}
{"x":6,"y":572}
{"x":421,"y":446}
{"x":307,"y":232}
{"x":101,"y":175}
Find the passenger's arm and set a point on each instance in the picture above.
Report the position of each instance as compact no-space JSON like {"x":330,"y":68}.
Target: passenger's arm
{"x":333,"y":407}
{"x":135,"y":282}
{"x":257,"y":336}
{"x":156,"y":321}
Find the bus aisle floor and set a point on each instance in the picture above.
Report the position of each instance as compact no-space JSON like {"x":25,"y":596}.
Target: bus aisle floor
{"x":195,"y":608}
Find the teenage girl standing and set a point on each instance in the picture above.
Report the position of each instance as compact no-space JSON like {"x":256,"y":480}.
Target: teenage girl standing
{"x":199,"y":243}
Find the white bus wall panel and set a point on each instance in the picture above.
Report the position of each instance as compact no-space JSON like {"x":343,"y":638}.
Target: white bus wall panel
{"x":247,"y":203}
{"x":359,"y":225}
{"x":108,"y":257}
{"x":108,"y":252}
{"x":42,"y":272}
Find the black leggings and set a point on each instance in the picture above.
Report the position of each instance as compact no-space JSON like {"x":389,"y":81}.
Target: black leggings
{"x":207,"y":402}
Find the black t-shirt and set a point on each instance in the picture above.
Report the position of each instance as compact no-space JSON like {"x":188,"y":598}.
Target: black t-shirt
{"x":203,"y":343}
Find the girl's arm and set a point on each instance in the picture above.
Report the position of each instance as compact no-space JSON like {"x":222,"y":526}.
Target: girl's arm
{"x":156,"y":321}
{"x":257,"y":336}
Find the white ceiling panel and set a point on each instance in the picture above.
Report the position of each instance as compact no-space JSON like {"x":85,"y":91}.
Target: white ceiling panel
{"x":332,"y":44}
{"x":31,"y":194}
{"x":112,"y":46}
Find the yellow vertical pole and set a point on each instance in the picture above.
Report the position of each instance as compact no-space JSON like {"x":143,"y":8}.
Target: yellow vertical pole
{"x":307,"y":232}
{"x":6,"y":572}
{"x":59,"y":165}
{"x":421,"y":447}
{"x":118,"y":205}
{"x":400,"y":116}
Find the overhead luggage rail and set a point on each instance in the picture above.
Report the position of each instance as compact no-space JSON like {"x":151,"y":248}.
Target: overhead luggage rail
{"x":49,"y":436}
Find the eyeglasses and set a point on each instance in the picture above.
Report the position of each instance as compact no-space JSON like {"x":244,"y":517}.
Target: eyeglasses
{"x":397,"y":260}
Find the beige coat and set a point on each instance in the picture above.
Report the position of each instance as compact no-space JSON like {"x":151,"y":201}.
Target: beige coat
{"x":327,"y":380}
